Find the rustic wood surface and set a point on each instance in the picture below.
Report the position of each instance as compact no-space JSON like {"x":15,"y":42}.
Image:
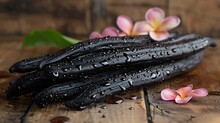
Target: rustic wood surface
{"x":147,"y":108}
{"x":78,"y":18}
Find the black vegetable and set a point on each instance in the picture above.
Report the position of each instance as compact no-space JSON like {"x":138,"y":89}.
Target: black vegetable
{"x":28,"y":83}
{"x":77,"y":50}
{"x":71,"y":89}
{"x":138,"y":77}
{"x":110,"y":59}
{"x":82,"y":48}
{"x":90,"y":71}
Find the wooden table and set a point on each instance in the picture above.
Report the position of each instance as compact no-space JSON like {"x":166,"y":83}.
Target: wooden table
{"x":148,"y":108}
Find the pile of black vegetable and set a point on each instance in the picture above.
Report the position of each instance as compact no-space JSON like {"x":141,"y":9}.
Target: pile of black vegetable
{"x":90,"y":71}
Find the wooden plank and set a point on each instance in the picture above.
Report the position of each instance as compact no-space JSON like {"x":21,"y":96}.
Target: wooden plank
{"x":69,"y":17}
{"x":108,"y":11}
{"x":10,"y":52}
{"x":201,"y":110}
{"x":79,"y":18}
{"x":194,"y":23}
{"x":23,"y":24}
{"x":197,"y":16}
{"x":209,"y":9}
{"x":11,"y":111}
{"x":137,"y":2}
{"x":130,"y":111}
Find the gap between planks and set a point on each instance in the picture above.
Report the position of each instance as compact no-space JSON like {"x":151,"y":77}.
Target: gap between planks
{"x":198,"y":110}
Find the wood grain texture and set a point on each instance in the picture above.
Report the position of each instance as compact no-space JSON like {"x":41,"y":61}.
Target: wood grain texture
{"x":197,"y":16}
{"x":130,"y":111}
{"x":137,"y":2}
{"x":79,"y":18}
{"x":71,"y":17}
{"x":13,"y":110}
{"x":200,"y":110}
{"x":105,"y":12}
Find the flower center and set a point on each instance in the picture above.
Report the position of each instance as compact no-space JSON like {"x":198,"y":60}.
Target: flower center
{"x":155,"y":25}
{"x":133,"y":33}
{"x":184,"y":95}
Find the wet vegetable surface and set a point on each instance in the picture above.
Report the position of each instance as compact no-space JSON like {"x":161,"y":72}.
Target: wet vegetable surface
{"x":88,"y":72}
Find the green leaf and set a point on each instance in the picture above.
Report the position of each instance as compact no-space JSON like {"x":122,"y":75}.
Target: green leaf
{"x":47,"y":37}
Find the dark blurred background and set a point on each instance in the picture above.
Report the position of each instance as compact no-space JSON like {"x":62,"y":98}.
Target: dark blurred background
{"x":77,"y":18}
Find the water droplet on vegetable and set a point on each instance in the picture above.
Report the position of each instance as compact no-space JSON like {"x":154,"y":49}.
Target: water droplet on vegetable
{"x":130,"y":82}
{"x":128,"y":59}
{"x":102,"y":93}
{"x":174,"y":50}
{"x":168,"y":72}
{"x":104,"y":63}
{"x":94,"y":96}
{"x":107,"y":84}
{"x":153,"y":56}
{"x":56,"y":74}
{"x":82,"y":107}
{"x":79,"y":67}
{"x":122,"y":87}
{"x":94,"y":65}
{"x":153,"y":76}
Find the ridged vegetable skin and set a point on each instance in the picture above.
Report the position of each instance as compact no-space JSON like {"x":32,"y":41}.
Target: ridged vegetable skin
{"x":88,"y":72}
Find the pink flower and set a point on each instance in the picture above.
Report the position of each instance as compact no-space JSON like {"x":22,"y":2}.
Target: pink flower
{"x":157,"y":25}
{"x":109,"y":31}
{"x":128,"y":28}
{"x":184,"y":94}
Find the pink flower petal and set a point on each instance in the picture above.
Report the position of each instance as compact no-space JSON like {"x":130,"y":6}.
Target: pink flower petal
{"x":169,"y":23}
{"x":125,"y":24}
{"x":159,"y":36}
{"x":141,"y":28}
{"x":168,"y":94}
{"x":95,"y":35}
{"x":190,"y":85}
{"x":110,"y":31}
{"x":201,"y":92}
{"x":185,"y":91}
{"x":181,"y":100}
{"x":154,"y":16}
